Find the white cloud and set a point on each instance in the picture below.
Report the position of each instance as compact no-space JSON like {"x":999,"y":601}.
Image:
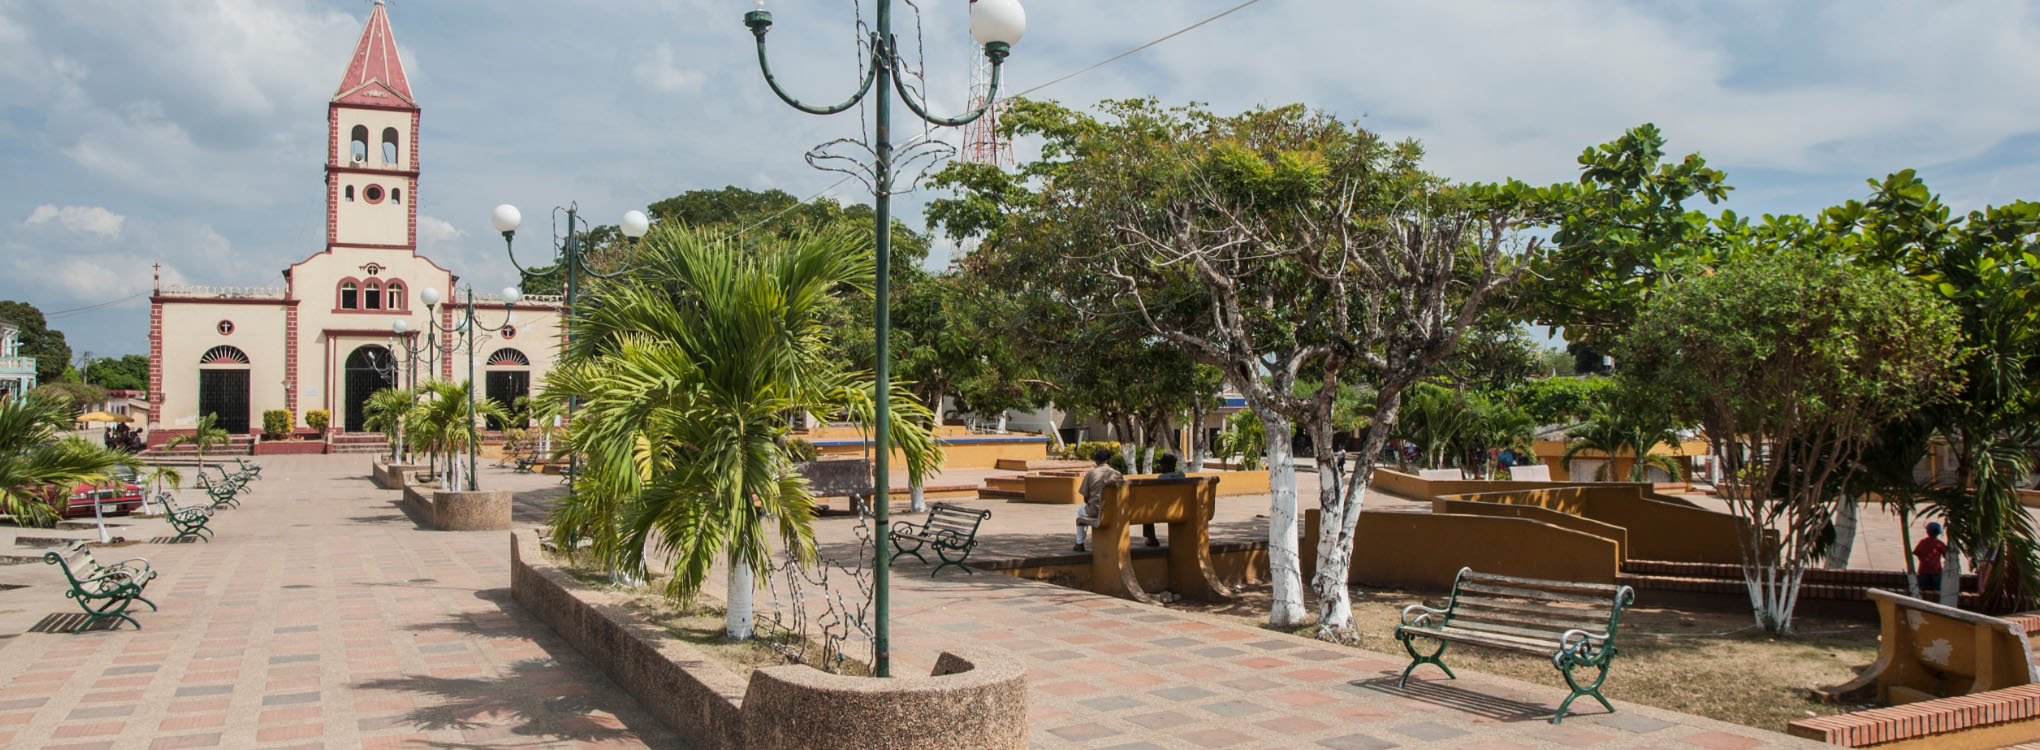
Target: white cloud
{"x":87,"y":219}
{"x":434,"y":231}
{"x":661,"y":73}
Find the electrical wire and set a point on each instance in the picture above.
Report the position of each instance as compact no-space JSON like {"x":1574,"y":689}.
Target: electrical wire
{"x":89,"y":308}
{"x":1116,"y":58}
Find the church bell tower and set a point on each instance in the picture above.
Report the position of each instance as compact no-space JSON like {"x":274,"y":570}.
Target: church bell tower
{"x":372,"y":148}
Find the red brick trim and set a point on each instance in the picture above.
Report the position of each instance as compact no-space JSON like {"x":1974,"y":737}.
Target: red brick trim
{"x":290,"y":359}
{"x":156,"y":396}
{"x":365,"y":246}
{"x":446,"y":324}
{"x":338,"y":169}
{"x":1922,"y":719}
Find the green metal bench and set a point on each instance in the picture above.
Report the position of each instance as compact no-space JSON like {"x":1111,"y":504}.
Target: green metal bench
{"x":222,"y":493}
{"x":1572,"y":623}
{"x":103,"y":596}
{"x":250,"y":468}
{"x":189,"y":521}
{"x":949,"y":528}
{"x":135,"y":570}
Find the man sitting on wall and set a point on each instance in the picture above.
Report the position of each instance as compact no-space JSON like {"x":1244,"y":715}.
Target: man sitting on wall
{"x":1096,"y":481}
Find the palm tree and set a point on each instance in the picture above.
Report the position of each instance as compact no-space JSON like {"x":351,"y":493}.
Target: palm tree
{"x":442,"y":421}
{"x":685,"y":375}
{"x":160,"y":474}
{"x":36,"y":458}
{"x":384,"y":412}
{"x":208,"y":435}
{"x":1612,"y":430}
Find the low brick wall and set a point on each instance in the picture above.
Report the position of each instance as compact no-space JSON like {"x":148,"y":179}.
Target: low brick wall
{"x":674,"y":680}
{"x":289,"y":448}
{"x":1981,"y":721}
{"x":975,"y":698}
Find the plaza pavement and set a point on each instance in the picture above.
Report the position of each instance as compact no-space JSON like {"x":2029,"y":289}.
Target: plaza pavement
{"x":319,"y":616}
{"x":322,"y":617}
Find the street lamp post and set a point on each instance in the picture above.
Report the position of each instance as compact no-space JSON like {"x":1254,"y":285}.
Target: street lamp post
{"x":996,"y":24}
{"x":568,"y":265}
{"x":468,"y":324}
{"x":412,"y":353}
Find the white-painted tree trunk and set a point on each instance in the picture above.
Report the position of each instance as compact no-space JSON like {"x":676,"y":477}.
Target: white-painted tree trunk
{"x":917,"y":498}
{"x":1838,"y":553}
{"x":1951,"y":577}
{"x":1002,"y":423}
{"x":737,"y":616}
{"x":1285,"y":571}
{"x":99,"y":517}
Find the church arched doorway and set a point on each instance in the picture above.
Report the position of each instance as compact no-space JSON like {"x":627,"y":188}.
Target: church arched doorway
{"x":223,"y":388}
{"x":368,"y":369}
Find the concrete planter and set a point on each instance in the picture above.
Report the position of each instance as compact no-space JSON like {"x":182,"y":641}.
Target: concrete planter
{"x":975,"y":698}
{"x":487,"y":510}
{"x":392,"y":476}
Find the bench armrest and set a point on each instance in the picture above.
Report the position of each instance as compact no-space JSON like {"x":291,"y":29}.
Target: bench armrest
{"x":1579,"y":647}
{"x":1424,"y":615}
{"x":904,"y":527}
{"x":951,"y":539}
{"x":143,"y":560}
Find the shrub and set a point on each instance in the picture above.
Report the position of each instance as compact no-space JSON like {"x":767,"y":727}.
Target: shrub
{"x":1082,"y":451}
{"x":276,"y":424}
{"x":318,"y":419}
{"x":802,"y":451}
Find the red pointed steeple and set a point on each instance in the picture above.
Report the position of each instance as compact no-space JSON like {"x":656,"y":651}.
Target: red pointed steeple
{"x":375,"y":73}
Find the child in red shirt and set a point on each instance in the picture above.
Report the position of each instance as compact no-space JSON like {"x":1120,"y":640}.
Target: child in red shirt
{"x":1929,"y":552}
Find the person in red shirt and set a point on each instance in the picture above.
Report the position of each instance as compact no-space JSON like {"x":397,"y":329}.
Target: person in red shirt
{"x":1929,"y":552}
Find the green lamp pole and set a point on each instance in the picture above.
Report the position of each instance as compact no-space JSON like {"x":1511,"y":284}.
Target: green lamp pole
{"x":468,"y":324}
{"x":568,"y":265}
{"x":996,"y":24}
{"x":406,"y":341}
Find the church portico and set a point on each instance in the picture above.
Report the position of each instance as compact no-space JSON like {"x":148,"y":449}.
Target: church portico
{"x":324,"y":338}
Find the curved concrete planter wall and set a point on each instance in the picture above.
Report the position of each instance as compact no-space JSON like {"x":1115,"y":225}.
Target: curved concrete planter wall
{"x":392,"y":476}
{"x":487,"y":510}
{"x":976,"y":698}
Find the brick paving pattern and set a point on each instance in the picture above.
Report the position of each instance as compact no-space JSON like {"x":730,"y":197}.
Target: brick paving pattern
{"x":320,"y":616}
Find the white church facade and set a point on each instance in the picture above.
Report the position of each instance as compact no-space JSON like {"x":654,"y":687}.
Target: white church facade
{"x":324,"y":339}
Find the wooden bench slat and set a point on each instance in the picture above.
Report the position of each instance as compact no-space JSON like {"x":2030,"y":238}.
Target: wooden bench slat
{"x":1489,"y":640}
{"x":1547,"y":636}
{"x":1531,"y":593}
{"x":1594,"y":614}
{"x":1605,"y":589}
{"x":1473,"y":612}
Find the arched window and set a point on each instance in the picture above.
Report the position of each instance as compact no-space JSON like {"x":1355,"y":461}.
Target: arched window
{"x":394,"y":291}
{"x":371,"y":294}
{"x":224,"y":355}
{"x":358,"y":148}
{"x":389,"y":145}
{"x":507,"y":357}
{"x":348,"y":194}
{"x":396,"y":195}
{"x":349,"y":294}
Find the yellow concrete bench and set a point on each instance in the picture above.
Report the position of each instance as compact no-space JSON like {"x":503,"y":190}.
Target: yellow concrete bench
{"x":1930,"y":651}
{"x":1186,"y":505}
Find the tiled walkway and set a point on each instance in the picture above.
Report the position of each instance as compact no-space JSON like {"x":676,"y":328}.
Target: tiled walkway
{"x":319,"y":617}
{"x":322,"y":617}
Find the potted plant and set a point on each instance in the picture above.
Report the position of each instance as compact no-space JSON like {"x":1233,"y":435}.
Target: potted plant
{"x":276,"y":424}
{"x":318,"y":419}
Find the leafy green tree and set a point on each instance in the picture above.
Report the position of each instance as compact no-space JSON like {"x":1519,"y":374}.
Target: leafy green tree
{"x":76,"y":397}
{"x":1791,"y":360}
{"x":128,"y":372}
{"x":953,"y":334}
{"x":38,"y":340}
{"x":1983,"y":263}
{"x":685,"y":376}
{"x":1493,"y":356}
{"x":1625,"y":233}
{"x":1276,"y":245}
{"x":441,"y":420}
{"x":37,"y":458}
{"x":206,"y":434}
{"x":1616,"y":426}
{"x":1561,"y":401}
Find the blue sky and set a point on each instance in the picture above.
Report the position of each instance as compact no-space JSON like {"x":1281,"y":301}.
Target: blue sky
{"x":189,"y":132}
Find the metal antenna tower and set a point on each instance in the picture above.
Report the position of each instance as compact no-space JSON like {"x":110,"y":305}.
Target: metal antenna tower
{"x":981,"y":141}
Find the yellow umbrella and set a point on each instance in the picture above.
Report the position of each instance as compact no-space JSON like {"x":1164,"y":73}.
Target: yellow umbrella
{"x":100,"y":416}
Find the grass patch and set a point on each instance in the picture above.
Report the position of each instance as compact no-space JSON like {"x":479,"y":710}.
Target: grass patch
{"x":1710,"y":664}
{"x":699,"y":624}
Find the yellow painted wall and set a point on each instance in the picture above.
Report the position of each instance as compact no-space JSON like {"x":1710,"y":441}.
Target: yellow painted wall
{"x":1657,"y":530}
{"x":1061,"y":489}
{"x":1541,"y":515}
{"x":190,"y":329}
{"x":1426,"y":550}
{"x":970,"y":456}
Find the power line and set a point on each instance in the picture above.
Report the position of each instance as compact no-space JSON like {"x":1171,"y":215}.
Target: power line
{"x":1116,"y":58}
{"x":89,"y":308}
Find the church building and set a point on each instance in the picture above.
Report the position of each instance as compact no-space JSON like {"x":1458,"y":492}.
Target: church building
{"x":325,"y":338}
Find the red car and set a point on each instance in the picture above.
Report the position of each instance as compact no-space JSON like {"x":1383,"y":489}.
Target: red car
{"x":112,"y":498}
